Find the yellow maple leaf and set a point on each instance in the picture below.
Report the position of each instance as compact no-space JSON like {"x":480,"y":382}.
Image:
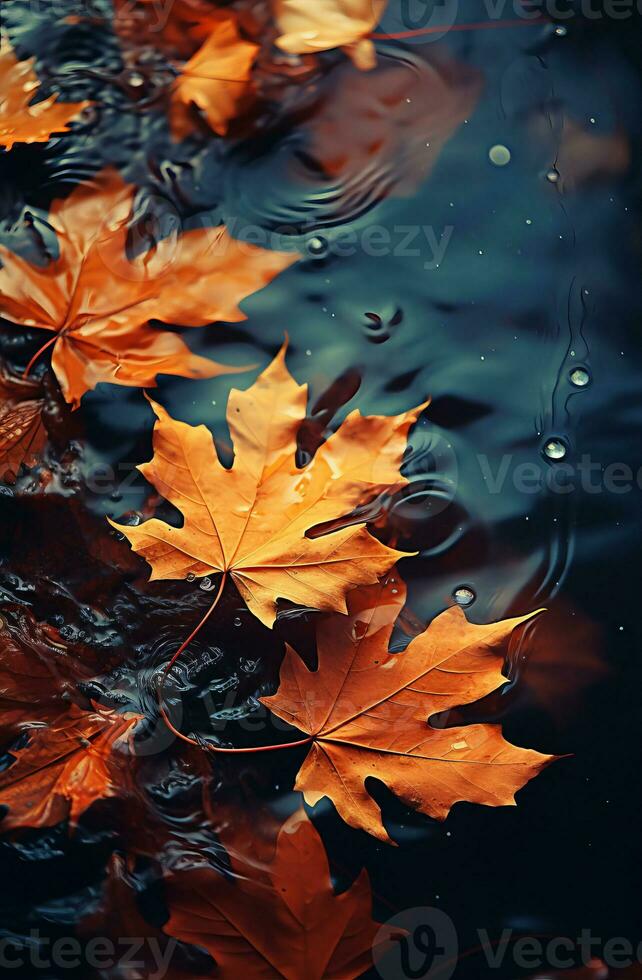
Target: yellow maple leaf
{"x":21,"y":122}
{"x":251,"y":520}
{"x":368,"y":712}
{"x":308,"y":27}
{"x":217,"y":79}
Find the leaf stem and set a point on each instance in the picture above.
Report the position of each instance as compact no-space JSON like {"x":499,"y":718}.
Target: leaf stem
{"x":161,"y":685}
{"x":25,"y":373}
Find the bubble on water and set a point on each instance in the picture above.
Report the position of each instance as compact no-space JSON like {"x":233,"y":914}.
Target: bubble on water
{"x":561,"y":31}
{"x":317,"y":246}
{"x":580,"y":377}
{"x":464,"y":596}
{"x":499,"y":155}
{"x":206,"y":584}
{"x":238,"y":621}
{"x":135,"y":79}
{"x":190,"y":576}
{"x":553,"y":175}
{"x":555,"y":449}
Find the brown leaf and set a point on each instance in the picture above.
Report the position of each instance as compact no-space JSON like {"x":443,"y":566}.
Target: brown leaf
{"x":217,"y":79}
{"x":372,"y":134}
{"x":119,"y":919}
{"x":22,"y":431}
{"x":179,"y":28}
{"x":21,"y":122}
{"x":251,"y":520}
{"x":38,"y":671}
{"x":66,"y":766}
{"x":98,"y":304}
{"x":368,"y":711}
{"x":282,"y":919}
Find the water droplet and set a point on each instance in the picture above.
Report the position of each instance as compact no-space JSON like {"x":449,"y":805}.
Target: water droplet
{"x":190,"y":576}
{"x":463,"y":744}
{"x":238,"y":621}
{"x":555,"y":449}
{"x":553,"y":175}
{"x":463,"y":596}
{"x":499,"y":155}
{"x":135,"y":79}
{"x":317,"y":246}
{"x":561,"y":31}
{"x":580,"y":377}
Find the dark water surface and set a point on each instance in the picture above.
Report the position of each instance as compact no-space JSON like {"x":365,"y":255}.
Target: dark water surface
{"x":509,"y":294}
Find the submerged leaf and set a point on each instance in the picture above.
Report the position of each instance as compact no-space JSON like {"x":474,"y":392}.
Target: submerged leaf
{"x":217,"y":79}
{"x":66,"y":766}
{"x":282,"y":919}
{"x":22,"y":431}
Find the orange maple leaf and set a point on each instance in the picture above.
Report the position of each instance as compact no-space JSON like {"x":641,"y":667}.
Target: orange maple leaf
{"x":66,"y":766}
{"x":21,"y":122}
{"x":368,"y":712}
{"x":251,"y":520}
{"x":282,"y":919}
{"x":307,"y":27}
{"x":22,"y":431}
{"x":98,"y":304}
{"x":217,"y":79}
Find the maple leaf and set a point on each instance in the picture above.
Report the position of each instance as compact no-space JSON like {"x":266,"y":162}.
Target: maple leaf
{"x":217,"y":79}
{"x":22,"y":431}
{"x":38,"y":671}
{"x":281,"y":920}
{"x":310,"y":27}
{"x":66,"y":766}
{"x":98,"y":304}
{"x":118,"y":915}
{"x":251,"y":520}
{"x":368,"y":712}
{"x":21,"y":122}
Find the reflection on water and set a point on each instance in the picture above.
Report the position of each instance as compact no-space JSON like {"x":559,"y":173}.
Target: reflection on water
{"x":468,"y":219}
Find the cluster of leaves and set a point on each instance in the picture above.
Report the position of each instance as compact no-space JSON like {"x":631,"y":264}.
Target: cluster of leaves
{"x":275,"y":529}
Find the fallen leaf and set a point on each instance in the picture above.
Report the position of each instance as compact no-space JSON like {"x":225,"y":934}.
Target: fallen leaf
{"x":217,"y":79}
{"x":38,"y":671}
{"x":373,"y":137}
{"x":281,"y":920}
{"x":66,"y":766}
{"x":119,"y":916}
{"x":98,"y":303}
{"x":22,"y":431}
{"x":307,"y":27}
{"x":251,"y":520}
{"x":368,"y":712}
{"x":21,"y":122}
